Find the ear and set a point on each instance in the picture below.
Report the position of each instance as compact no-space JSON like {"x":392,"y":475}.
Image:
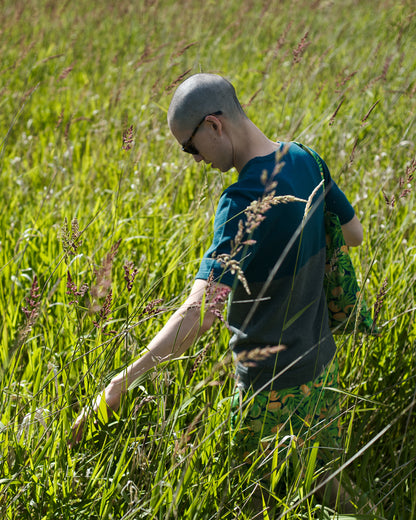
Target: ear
{"x":216,"y":123}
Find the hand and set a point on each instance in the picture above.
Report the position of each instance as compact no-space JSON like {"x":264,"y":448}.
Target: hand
{"x":103,"y":406}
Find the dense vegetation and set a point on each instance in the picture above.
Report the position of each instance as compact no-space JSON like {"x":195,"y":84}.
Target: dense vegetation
{"x":104,"y":221}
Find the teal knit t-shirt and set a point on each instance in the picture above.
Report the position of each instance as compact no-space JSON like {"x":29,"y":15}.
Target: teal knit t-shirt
{"x":270,"y":245}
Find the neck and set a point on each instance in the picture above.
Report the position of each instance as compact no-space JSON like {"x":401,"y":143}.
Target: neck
{"x":250,"y":142}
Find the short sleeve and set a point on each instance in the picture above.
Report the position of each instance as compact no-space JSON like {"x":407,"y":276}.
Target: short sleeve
{"x":335,"y":199}
{"x":229,"y":212}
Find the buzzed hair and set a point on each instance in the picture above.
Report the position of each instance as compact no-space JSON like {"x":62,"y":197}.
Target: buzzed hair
{"x":199,"y":96}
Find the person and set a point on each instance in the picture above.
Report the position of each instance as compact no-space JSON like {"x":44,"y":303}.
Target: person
{"x":268,"y":254}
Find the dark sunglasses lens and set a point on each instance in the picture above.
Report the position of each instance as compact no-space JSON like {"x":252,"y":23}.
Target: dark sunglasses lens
{"x":190,"y":148}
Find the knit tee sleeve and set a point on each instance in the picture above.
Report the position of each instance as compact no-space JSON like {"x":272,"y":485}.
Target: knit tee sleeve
{"x":229,"y":212}
{"x":335,"y":199}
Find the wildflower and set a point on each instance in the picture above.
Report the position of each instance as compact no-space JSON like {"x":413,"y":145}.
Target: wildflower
{"x":282,"y":40}
{"x":311,"y":197}
{"x":70,"y":239}
{"x":172,"y":85}
{"x":341,"y":83}
{"x":407,"y":179}
{"x":331,"y":121}
{"x":390,"y":202}
{"x":31,"y":311}
{"x":68,"y":127}
{"x":65,"y":72}
{"x":104,"y":311}
{"x":253,"y":97}
{"x":198,"y":361}
{"x":128,"y":138}
{"x":33,"y":303}
{"x":72,"y":289}
{"x":130,"y":272}
{"x":255,"y":212}
{"x":386,"y":67}
{"x":255,"y":355}
{"x":234,"y":267}
{"x":103,"y":273}
{"x":152,"y":308}
{"x":364,"y":119}
{"x":102,"y":289}
{"x":184,"y":49}
{"x":300,"y":49}
{"x":216,"y":297}
{"x":60,"y":119}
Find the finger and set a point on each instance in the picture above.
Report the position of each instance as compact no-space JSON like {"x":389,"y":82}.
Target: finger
{"x":76,"y":437}
{"x":76,"y":433}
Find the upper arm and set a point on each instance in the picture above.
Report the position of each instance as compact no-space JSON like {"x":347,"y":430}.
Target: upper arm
{"x":353,"y":232}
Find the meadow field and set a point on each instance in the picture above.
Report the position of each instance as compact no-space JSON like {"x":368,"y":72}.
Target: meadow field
{"x":104,"y":221}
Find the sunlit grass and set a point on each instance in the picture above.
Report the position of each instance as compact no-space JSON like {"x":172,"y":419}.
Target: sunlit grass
{"x":340,"y":77}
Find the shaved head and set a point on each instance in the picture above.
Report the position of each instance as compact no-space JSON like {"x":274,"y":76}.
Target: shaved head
{"x":199,"y":96}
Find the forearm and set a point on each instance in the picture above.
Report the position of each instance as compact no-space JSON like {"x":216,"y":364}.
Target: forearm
{"x":193,"y":318}
{"x":179,"y":333}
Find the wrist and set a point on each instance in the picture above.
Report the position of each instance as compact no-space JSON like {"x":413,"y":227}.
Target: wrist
{"x":118,"y":385}
{"x":112,"y":394}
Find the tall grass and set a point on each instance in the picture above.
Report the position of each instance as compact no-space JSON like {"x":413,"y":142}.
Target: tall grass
{"x":103,"y":228}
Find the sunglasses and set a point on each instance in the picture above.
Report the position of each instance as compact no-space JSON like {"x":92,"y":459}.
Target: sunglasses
{"x":187,"y":146}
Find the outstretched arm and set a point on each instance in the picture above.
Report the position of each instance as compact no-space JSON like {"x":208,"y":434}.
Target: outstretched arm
{"x":190,"y":321}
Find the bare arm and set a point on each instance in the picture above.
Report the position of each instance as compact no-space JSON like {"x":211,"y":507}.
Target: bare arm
{"x":353,"y":232}
{"x":187,"y":324}
{"x":180,"y":332}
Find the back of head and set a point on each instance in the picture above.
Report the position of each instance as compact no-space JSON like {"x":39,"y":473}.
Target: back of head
{"x":199,"y":96}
